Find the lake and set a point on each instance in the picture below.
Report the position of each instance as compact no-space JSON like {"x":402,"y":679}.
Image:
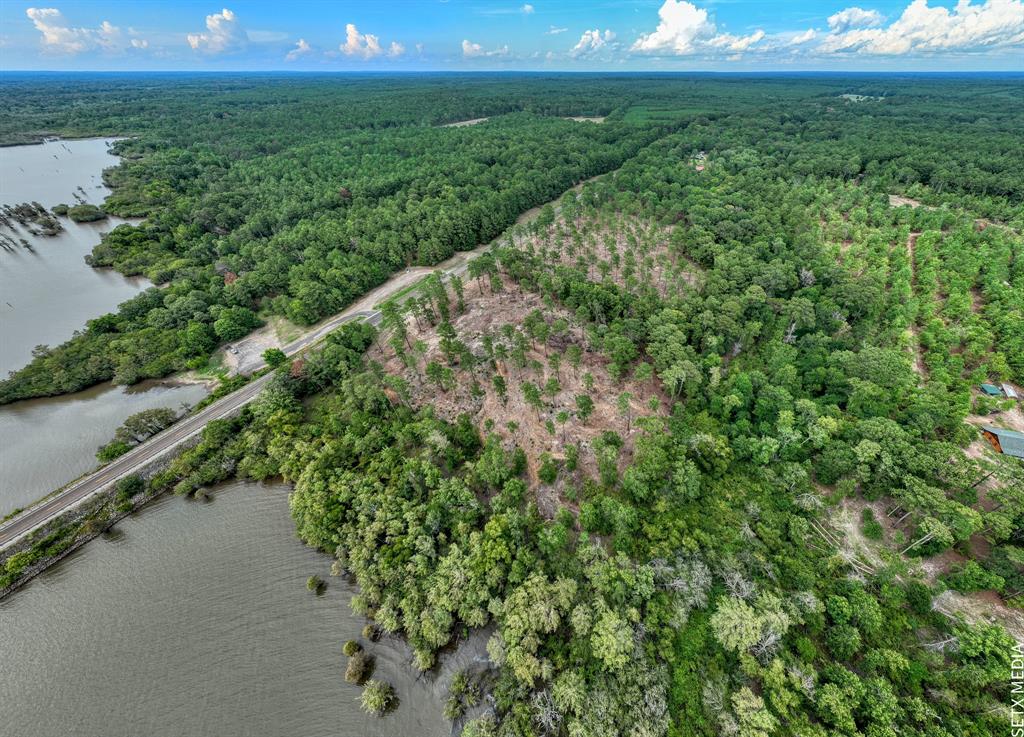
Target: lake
{"x":45,"y":295}
{"x":192,"y":620}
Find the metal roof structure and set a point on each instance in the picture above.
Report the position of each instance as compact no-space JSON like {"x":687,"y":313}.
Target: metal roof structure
{"x":1011,"y":442}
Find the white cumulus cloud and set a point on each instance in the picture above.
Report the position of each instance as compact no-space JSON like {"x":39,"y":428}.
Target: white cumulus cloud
{"x":925,"y":29}
{"x":59,"y":37}
{"x":470,"y":50}
{"x":554,"y":31}
{"x":527,"y":9}
{"x":301,"y":49}
{"x":357,"y":44}
{"x":854,"y":17}
{"x":730,"y":42}
{"x":685,"y":29}
{"x":224,"y":34}
{"x":367,"y":45}
{"x":801,"y":38}
{"x":592,"y":41}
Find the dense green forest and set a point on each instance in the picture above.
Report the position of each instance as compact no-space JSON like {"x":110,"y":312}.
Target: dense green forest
{"x":698,"y":442}
{"x":287,"y":196}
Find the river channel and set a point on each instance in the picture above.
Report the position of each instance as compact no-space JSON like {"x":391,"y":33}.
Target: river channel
{"x":193,"y":620}
{"x":46,"y":293}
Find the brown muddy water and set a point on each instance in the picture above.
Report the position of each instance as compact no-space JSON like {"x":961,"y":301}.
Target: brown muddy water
{"x":49,"y":292}
{"x":190,"y":618}
{"x":45,"y":295}
{"x":193,"y":619}
{"x":45,"y":443}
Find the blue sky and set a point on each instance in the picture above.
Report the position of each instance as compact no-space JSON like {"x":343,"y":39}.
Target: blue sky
{"x":608,"y":35}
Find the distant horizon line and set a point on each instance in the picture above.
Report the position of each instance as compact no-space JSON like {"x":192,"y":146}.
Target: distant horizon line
{"x":397,"y":72}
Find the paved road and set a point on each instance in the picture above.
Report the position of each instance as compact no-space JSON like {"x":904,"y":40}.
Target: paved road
{"x":38,"y":515}
{"x":32,"y":518}
{"x":85,"y":487}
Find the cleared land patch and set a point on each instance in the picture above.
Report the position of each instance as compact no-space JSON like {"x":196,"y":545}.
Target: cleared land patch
{"x":627,"y":251}
{"x":523,"y":389}
{"x":464,"y":123}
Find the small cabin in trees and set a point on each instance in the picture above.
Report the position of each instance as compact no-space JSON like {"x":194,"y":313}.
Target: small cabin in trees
{"x":991,"y":390}
{"x":1008,"y":442}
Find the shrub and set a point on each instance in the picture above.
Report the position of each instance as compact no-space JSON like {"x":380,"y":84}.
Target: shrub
{"x":274,"y":357}
{"x":460,"y":683}
{"x":453,"y":708}
{"x":871,"y":528}
{"x":129,"y":486}
{"x":316,"y":584}
{"x":360,"y":666}
{"x":351,"y":647}
{"x":110,"y":451}
{"x":972,"y":577}
{"x":371,"y":632}
{"x":378,"y":697}
{"x":548,"y":469}
{"x":86,"y":213}
{"x":919,"y":597}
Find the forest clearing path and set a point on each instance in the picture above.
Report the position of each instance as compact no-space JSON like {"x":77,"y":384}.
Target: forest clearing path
{"x":464,"y":123}
{"x":915,"y":330}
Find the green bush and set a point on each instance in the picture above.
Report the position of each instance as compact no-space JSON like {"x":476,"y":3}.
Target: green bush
{"x":86,"y":213}
{"x":378,"y":697}
{"x":454,"y":708}
{"x":871,"y":528}
{"x":972,"y":577}
{"x":360,"y":666}
{"x":274,"y":357}
{"x":129,"y":486}
{"x":548,"y":469}
{"x":351,"y":647}
{"x":110,"y":451}
{"x":919,"y":597}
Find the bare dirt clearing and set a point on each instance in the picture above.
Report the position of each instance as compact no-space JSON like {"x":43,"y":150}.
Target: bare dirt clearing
{"x":846,"y":520}
{"x":1012,"y":419}
{"x":473,"y":391}
{"x":246,"y":355}
{"x":977,"y":606}
{"x":464,"y":123}
{"x":982,"y":606}
{"x":896,"y":200}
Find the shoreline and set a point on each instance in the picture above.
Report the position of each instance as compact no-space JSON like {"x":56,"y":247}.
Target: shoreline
{"x":455,"y":264}
{"x":53,"y":138}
